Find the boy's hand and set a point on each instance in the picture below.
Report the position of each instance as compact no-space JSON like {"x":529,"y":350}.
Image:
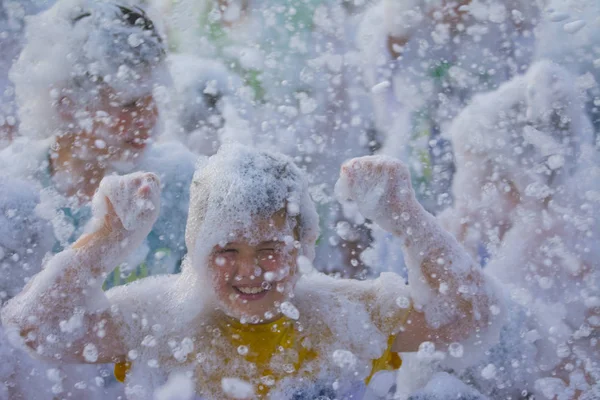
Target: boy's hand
{"x":124,"y":208}
{"x":127,"y":206}
{"x":379,"y":185}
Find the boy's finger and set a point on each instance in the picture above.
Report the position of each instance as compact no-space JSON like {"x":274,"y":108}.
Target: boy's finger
{"x":144,"y":191}
{"x":110,"y":209}
{"x":111,"y":218}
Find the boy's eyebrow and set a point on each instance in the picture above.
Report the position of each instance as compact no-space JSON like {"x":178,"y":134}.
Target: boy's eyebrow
{"x":270,"y":243}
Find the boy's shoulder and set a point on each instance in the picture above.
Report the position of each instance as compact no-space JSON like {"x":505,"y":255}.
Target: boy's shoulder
{"x":318,"y":285}
{"x":168,"y":299}
{"x":342,"y":305}
{"x":151,"y":293}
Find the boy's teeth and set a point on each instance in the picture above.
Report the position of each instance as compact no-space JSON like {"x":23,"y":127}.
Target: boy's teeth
{"x":251,"y":290}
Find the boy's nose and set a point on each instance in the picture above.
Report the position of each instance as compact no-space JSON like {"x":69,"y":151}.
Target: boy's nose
{"x":246,"y":267}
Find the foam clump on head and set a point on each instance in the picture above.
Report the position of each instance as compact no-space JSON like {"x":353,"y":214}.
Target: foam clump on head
{"x":240,"y":183}
{"x":201,"y":84}
{"x":76,"y":45}
{"x":212,"y":102}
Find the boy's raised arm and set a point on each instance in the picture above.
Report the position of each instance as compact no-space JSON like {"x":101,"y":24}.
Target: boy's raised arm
{"x":451,"y":297}
{"x":63,"y":313}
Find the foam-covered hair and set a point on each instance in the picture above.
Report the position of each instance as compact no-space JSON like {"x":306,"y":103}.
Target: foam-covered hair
{"x":240,"y":183}
{"x":201,"y":84}
{"x":76,"y":45}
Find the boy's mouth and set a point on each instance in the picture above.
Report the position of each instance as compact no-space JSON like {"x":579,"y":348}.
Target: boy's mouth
{"x":136,"y":144}
{"x":251,"y":292}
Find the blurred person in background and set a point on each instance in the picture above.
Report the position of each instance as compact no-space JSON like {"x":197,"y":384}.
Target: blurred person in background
{"x":213,"y":105}
{"x":525,"y":188}
{"x":86,"y":85}
{"x":422,"y":61}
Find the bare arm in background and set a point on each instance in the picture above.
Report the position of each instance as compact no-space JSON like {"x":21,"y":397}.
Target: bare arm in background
{"x":484,"y":204}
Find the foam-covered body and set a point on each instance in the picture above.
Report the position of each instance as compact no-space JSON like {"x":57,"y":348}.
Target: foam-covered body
{"x":525,"y":187}
{"x":187,"y":338}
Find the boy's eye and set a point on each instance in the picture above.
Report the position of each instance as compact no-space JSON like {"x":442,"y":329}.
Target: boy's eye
{"x":266,"y":251}
{"x":139,"y":102}
{"x":227,"y":251}
{"x":131,"y":105}
{"x":267,"y":254}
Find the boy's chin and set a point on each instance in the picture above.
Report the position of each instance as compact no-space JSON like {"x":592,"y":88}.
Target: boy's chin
{"x":252,"y":315}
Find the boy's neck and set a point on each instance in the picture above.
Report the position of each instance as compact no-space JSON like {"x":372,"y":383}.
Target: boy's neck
{"x":73,"y":175}
{"x":237,"y":323}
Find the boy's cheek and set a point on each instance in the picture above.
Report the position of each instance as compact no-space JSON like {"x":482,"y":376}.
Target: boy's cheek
{"x":220,"y":279}
{"x":224,"y":277}
{"x":271,"y":265}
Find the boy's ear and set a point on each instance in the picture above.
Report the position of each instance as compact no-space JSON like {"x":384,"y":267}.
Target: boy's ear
{"x":297,"y":228}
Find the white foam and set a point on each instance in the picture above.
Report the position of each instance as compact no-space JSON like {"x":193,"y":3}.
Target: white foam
{"x":289,"y":310}
{"x":212,"y":104}
{"x":403,"y":18}
{"x":380,"y":87}
{"x":178,"y":387}
{"x":237,"y":388}
{"x":25,"y":236}
{"x":371,"y":188}
{"x":574,"y":26}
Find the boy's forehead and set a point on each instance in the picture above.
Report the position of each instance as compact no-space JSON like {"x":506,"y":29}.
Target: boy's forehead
{"x":275,"y":228}
{"x":240,"y":242}
{"x":122,"y":97}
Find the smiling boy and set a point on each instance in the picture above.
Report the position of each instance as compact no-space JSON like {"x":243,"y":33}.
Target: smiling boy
{"x":247,"y":318}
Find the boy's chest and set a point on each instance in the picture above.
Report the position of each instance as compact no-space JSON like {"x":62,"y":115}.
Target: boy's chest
{"x":260,"y":360}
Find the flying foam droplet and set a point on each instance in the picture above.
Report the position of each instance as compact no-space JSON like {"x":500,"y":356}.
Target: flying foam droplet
{"x":574,"y":26}
{"x":289,"y":310}
{"x":380,"y":87}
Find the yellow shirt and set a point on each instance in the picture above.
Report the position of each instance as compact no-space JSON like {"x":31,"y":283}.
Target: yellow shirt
{"x":259,"y":343}
{"x":268,"y":355}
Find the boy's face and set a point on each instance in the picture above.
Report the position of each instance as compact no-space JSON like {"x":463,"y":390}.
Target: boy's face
{"x":120,"y":128}
{"x":130,"y":122}
{"x":253,"y":277}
